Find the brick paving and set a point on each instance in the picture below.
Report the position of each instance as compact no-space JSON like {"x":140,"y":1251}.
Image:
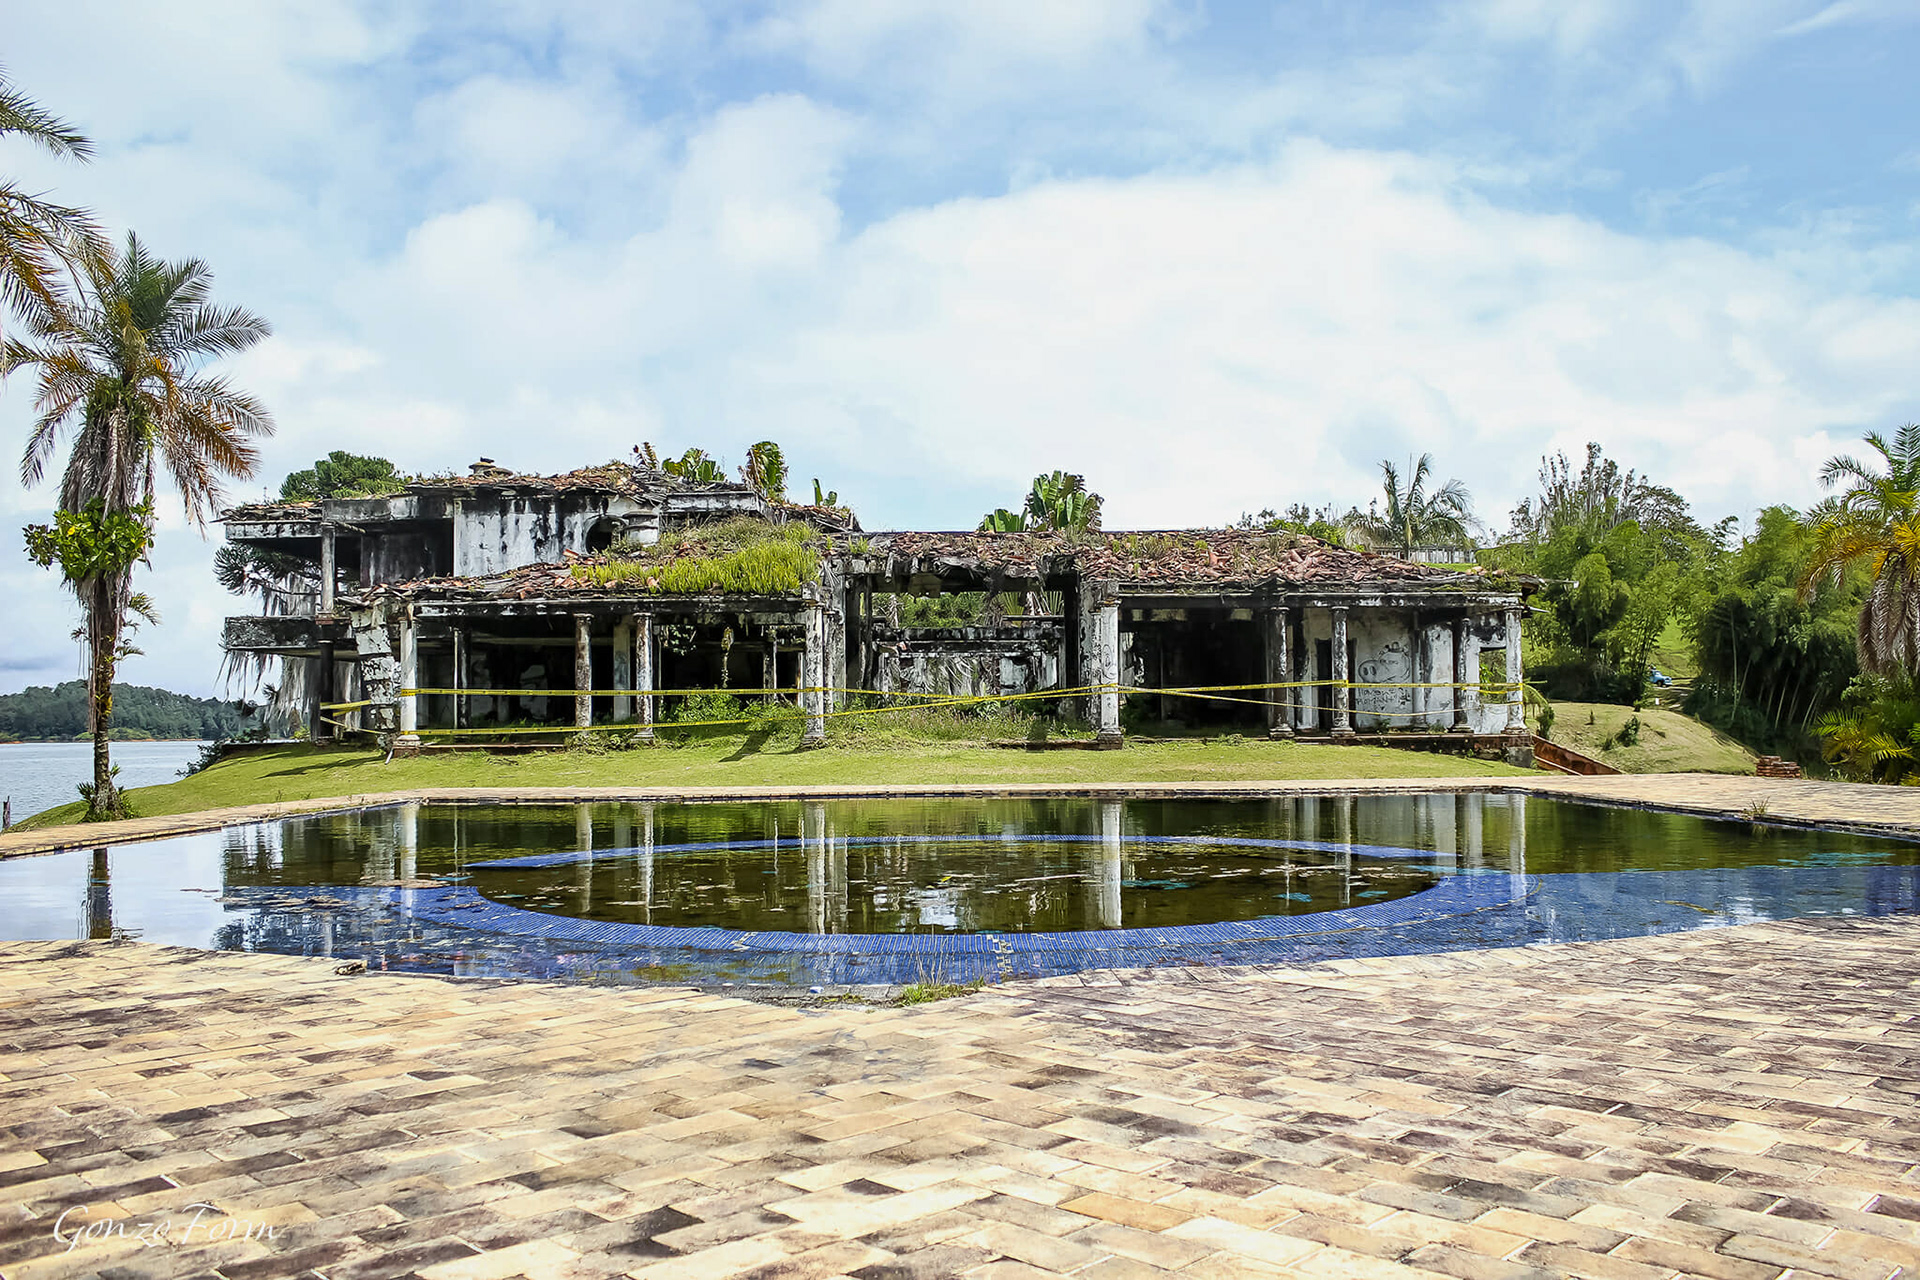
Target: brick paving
{"x":1733,"y":1103}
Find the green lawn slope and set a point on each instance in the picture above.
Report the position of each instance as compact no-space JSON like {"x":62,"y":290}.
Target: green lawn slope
{"x":1669,"y":741}
{"x":301,"y":773}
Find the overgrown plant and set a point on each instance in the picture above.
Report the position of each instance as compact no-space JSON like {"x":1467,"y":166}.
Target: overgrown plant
{"x":743,"y":556}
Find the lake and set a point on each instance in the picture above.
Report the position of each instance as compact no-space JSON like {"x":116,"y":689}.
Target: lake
{"x":40,"y":775}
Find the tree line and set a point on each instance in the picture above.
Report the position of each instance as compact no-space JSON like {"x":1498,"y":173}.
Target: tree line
{"x":58,"y":713}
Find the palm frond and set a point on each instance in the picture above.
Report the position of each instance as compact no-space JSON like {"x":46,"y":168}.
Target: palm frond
{"x":21,"y":117}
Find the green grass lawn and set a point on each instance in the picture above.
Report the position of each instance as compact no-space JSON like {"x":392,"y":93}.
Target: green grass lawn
{"x":1669,"y":742}
{"x":301,"y":773}
{"x":1673,"y":654}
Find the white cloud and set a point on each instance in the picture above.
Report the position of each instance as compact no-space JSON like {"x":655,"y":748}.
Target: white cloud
{"x":944,"y":39}
{"x":544,"y":234}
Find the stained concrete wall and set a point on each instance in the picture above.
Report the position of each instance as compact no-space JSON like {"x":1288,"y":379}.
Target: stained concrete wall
{"x":1388,"y":650}
{"x":492,"y":534}
{"x":966,"y":662}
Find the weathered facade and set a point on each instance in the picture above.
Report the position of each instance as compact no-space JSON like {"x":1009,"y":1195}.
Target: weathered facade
{"x":490,"y":603}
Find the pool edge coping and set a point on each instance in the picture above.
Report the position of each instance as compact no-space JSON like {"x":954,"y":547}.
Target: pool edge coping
{"x":1601,"y":790}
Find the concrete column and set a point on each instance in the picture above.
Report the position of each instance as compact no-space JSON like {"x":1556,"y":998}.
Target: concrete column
{"x":770,"y":668}
{"x":1460,"y":722}
{"x":311,"y":697}
{"x":622,"y":670}
{"x":813,"y":675}
{"x":324,"y":732}
{"x":1516,"y":710}
{"x":327,"y":570}
{"x":1342,"y":713}
{"x":1101,"y":658}
{"x":409,"y":708}
{"x":643,"y":672}
{"x":459,"y":676}
{"x":1279,"y":668}
{"x":582,"y":671}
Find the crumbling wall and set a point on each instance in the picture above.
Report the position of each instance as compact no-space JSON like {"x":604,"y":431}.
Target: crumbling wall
{"x":1385,"y":652}
{"x":966,"y":661}
{"x":493,"y":533}
{"x":379,"y":667}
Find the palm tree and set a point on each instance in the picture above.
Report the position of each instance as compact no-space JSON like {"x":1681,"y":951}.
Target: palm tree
{"x":1417,"y":516}
{"x":1875,"y":521}
{"x":120,"y":370}
{"x":38,"y":239}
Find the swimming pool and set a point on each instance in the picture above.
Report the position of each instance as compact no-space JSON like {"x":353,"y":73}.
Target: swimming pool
{"x":885,"y":892}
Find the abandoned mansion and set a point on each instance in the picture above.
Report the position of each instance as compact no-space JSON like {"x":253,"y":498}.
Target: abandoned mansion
{"x":477,"y":606}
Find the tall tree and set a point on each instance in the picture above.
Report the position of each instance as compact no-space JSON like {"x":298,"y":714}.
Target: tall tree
{"x":343,"y":475}
{"x":121,"y":374}
{"x":1416,"y":514}
{"x":39,"y":240}
{"x":1874,"y":521}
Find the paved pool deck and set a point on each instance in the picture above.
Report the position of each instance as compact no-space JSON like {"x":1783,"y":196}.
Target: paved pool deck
{"x":1737,"y":1103}
{"x":1806,"y":802}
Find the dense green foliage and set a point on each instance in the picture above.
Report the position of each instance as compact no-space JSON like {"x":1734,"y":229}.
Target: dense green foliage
{"x":1873,"y":523}
{"x":343,"y":475}
{"x":93,"y":543}
{"x":1620,"y":556}
{"x":1773,"y":658}
{"x":60,"y":713}
{"x":766,"y":471}
{"x":1056,"y":500}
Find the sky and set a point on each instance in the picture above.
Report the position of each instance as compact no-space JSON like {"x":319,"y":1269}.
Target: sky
{"x":1216,"y":257}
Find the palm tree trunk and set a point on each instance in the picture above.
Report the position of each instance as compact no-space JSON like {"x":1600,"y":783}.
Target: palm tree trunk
{"x":103,"y":637}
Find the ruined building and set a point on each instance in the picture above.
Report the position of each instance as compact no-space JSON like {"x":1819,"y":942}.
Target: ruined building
{"x":494,"y":603}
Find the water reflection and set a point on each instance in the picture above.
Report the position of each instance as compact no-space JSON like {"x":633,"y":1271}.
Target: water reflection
{"x":100,"y":896}
{"x":413,"y":883}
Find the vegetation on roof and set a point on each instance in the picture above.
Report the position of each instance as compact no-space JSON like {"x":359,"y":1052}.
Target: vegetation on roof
{"x":741,"y":556}
{"x":343,"y":475}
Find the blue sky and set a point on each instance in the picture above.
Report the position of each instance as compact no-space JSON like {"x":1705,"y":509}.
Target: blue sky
{"x":1215,"y":256}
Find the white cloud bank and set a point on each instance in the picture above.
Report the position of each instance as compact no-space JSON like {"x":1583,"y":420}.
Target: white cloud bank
{"x":571,"y":274}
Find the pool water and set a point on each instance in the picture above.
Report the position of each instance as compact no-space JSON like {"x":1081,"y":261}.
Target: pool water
{"x":873,"y":892}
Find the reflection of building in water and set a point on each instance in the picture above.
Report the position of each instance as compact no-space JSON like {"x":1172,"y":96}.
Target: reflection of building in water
{"x":826,"y":872}
{"x":1102,"y":886}
{"x":583,"y":869}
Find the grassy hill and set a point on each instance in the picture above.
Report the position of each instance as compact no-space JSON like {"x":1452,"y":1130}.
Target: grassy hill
{"x":1669,"y":742}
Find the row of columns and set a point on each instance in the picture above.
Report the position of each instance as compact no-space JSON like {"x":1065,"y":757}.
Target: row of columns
{"x":1280,"y":670}
{"x":1098,"y":626}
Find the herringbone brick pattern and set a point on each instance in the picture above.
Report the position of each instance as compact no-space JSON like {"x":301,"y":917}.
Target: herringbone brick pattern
{"x":1737,"y":1103}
